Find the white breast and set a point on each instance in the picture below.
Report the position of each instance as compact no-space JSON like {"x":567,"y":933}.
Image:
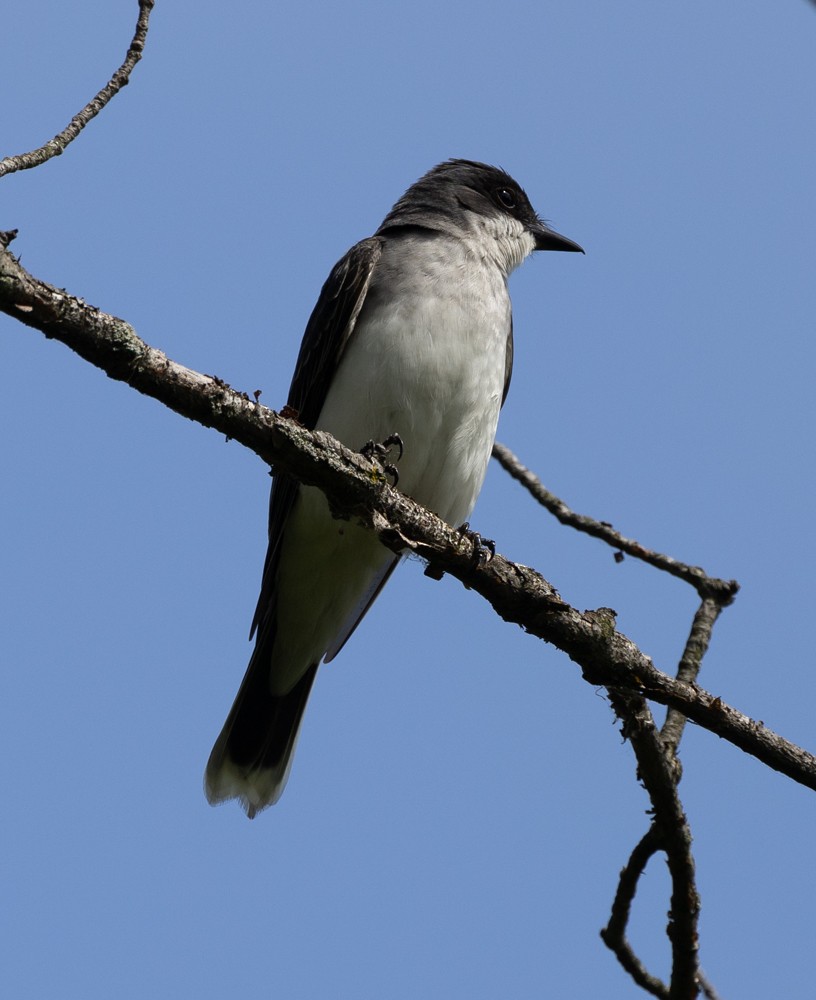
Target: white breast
{"x":427,"y":361}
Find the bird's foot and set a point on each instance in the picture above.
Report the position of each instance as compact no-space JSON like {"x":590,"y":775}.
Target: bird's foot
{"x":483,"y":548}
{"x":381,"y":450}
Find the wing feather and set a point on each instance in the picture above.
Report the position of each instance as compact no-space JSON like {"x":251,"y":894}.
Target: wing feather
{"x":326,"y":338}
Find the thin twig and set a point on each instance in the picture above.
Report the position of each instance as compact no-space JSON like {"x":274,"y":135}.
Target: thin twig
{"x":614,"y":934}
{"x":690,"y":663}
{"x":55,"y":146}
{"x":672,"y":835}
{"x":723,"y":591}
{"x":708,"y":990}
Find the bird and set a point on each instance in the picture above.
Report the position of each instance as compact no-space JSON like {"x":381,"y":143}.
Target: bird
{"x":410,"y":342}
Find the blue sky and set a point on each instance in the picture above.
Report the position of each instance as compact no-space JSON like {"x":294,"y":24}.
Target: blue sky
{"x":461,"y":801}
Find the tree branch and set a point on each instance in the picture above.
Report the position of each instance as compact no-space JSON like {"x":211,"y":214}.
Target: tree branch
{"x":358,"y":488}
{"x":614,"y":934}
{"x":723,"y":591}
{"x":57,"y":145}
{"x":658,"y":764}
{"x":670,"y":833}
{"x":690,"y":663}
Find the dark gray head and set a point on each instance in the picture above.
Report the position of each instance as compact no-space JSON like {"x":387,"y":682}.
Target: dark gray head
{"x":470,"y":199}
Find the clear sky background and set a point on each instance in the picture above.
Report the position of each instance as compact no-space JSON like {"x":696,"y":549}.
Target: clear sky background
{"x":461,"y":801}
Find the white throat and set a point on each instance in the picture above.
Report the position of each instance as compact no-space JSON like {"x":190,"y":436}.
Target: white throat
{"x":499,"y":238}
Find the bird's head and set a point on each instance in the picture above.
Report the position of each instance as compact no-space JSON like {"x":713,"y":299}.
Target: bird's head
{"x":481,"y":204}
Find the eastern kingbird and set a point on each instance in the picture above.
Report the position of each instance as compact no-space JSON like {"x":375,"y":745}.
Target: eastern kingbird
{"x":412,"y":335}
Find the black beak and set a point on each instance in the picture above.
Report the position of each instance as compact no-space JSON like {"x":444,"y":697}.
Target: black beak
{"x":546,"y":239}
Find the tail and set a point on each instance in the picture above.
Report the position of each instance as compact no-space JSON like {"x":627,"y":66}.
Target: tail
{"x":252,"y":756}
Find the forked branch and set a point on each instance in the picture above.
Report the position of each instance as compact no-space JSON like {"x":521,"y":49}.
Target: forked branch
{"x":656,"y":751}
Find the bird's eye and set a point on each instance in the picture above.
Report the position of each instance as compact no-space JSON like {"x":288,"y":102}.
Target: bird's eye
{"x":506,"y":198}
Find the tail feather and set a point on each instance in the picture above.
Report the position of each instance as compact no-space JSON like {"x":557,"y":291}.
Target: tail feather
{"x":252,"y":756}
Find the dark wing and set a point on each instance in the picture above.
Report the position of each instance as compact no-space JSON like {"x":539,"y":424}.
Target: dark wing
{"x":508,"y":361}
{"x":329,"y":328}
{"x":327,"y":335}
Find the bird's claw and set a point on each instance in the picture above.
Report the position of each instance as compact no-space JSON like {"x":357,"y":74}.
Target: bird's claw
{"x":381,"y":450}
{"x":483,"y":548}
